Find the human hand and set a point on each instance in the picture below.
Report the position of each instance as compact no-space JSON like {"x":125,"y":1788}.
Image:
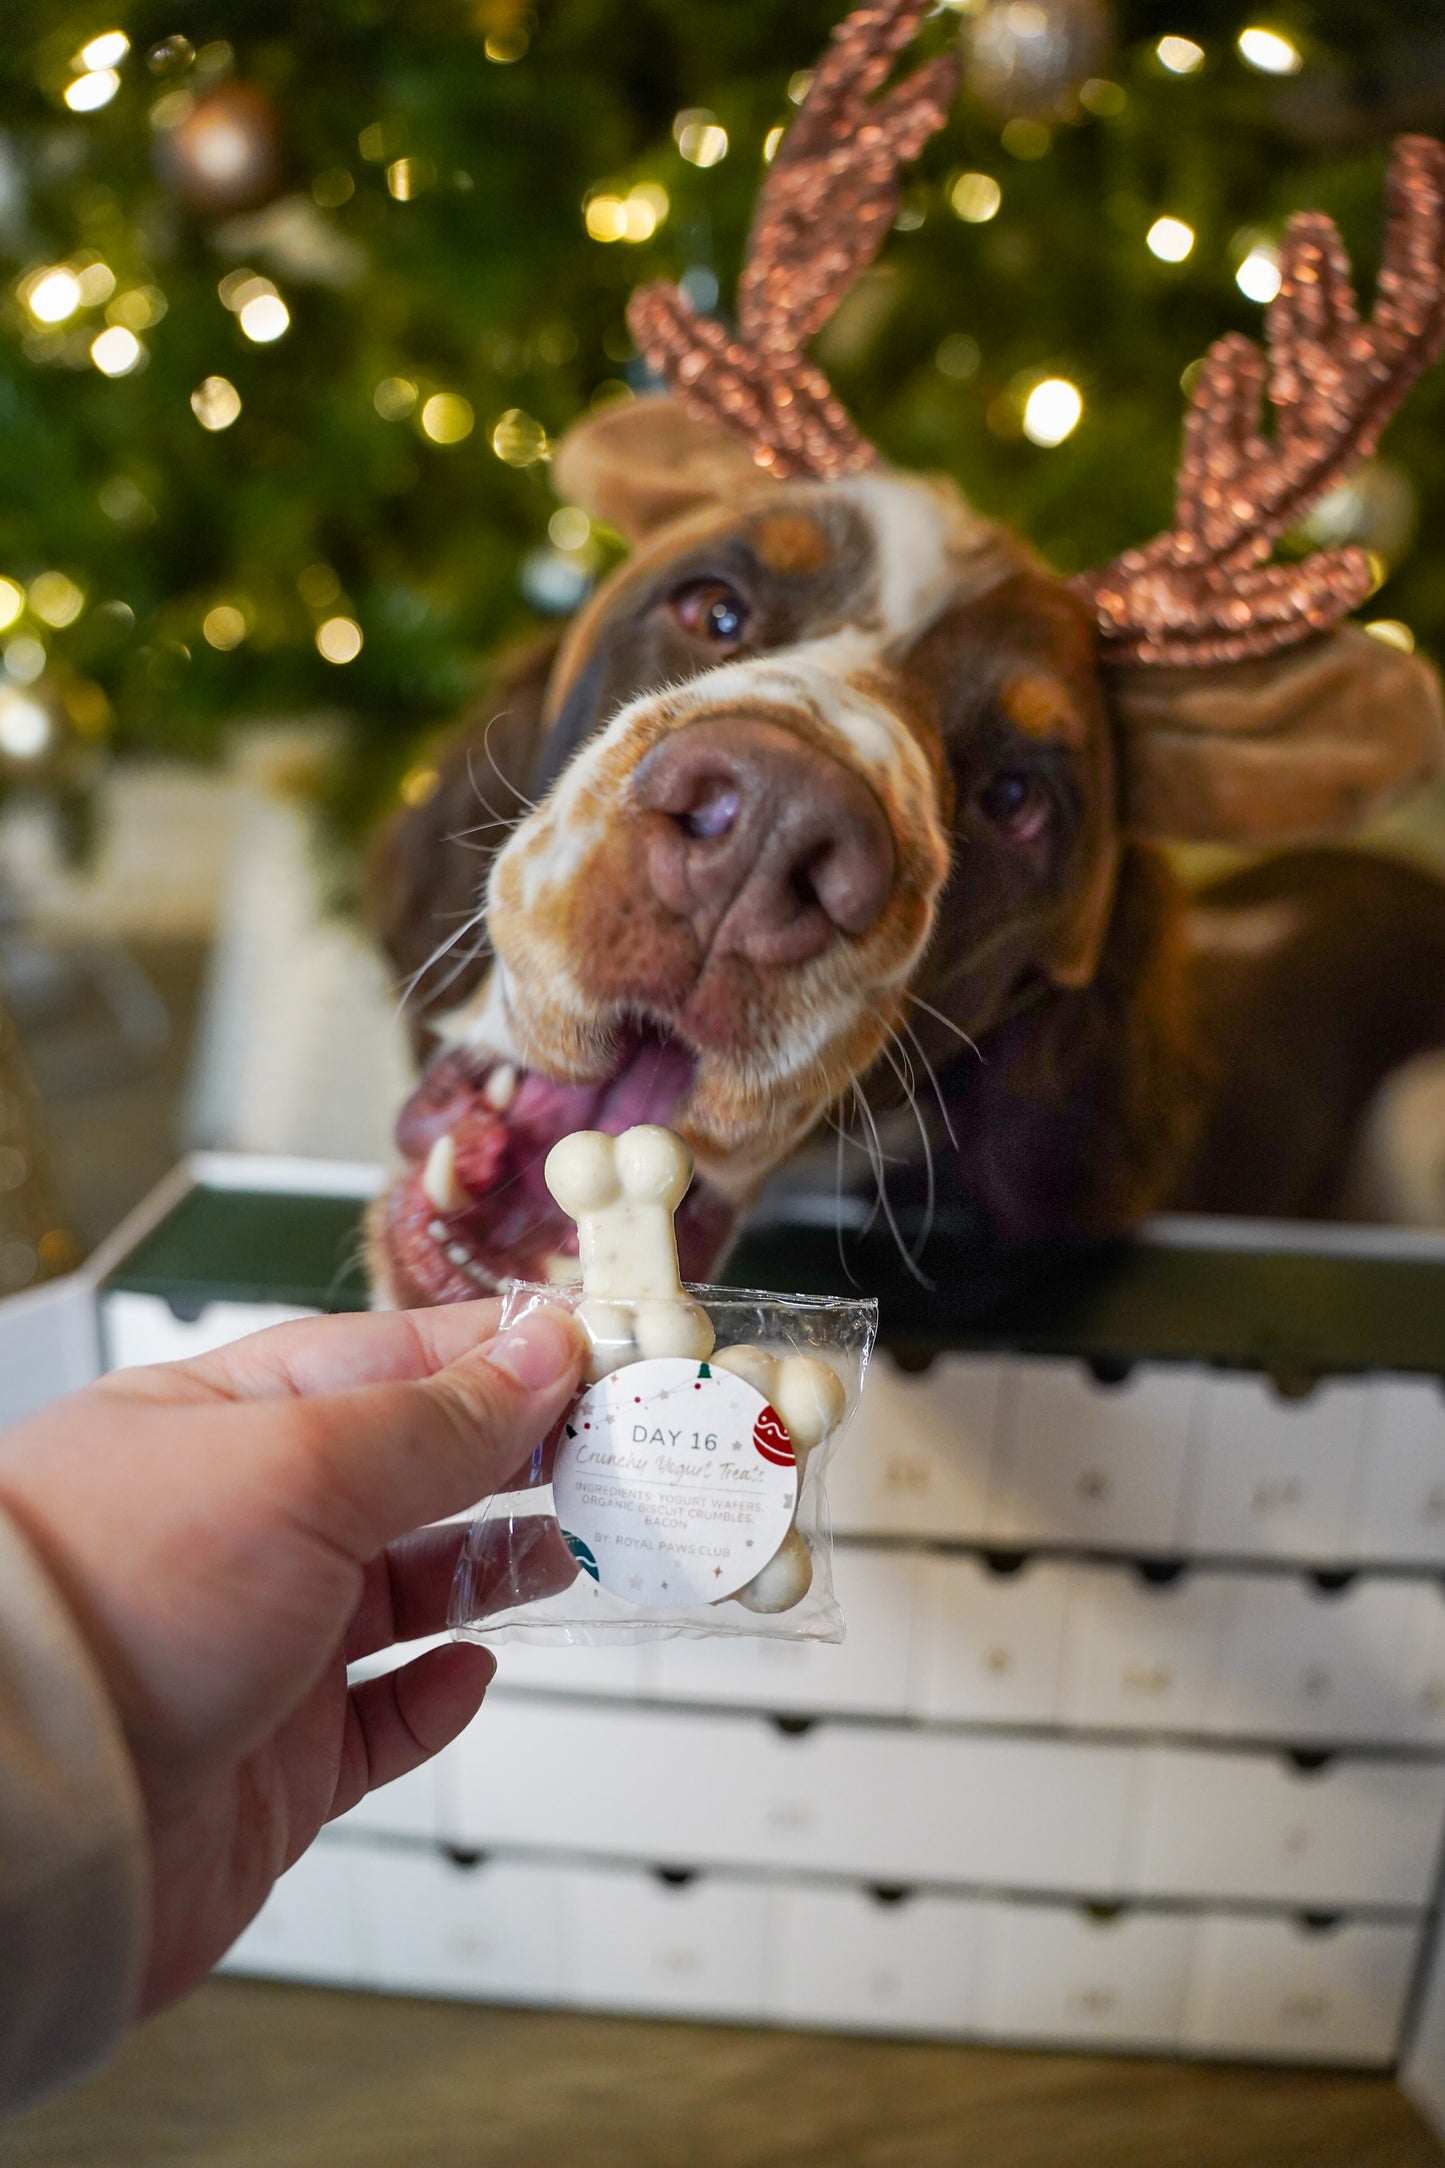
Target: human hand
{"x":231,"y":1532}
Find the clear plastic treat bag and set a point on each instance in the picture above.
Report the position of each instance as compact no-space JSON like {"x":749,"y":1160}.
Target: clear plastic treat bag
{"x":684,"y":1493}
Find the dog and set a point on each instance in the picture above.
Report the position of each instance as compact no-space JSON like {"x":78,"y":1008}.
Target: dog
{"x":834,"y":806}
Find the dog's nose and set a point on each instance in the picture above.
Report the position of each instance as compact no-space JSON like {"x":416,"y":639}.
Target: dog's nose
{"x":770,"y":846}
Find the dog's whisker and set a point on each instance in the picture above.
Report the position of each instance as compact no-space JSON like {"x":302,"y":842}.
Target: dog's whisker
{"x":505,"y":780}
{"x":884,"y":1200}
{"x":947,"y":1022}
{"x":441,"y":951}
{"x":906,"y":1078}
{"x":932,"y":1075}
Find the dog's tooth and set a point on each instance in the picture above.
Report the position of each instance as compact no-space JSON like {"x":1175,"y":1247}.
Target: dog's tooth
{"x":437,"y":1229}
{"x":500,"y":1088}
{"x":439,"y":1176}
{"x":459,"y":1255}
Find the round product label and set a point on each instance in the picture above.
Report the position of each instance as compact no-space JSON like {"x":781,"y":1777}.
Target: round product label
{"x":674,"y":1483}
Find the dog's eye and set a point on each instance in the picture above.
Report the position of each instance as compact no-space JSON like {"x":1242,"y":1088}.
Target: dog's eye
{"x":711,"y":610}
{"x":1018,"y":804}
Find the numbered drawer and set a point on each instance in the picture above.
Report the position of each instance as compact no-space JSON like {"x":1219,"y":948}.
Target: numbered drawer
{"x":1258,"y":1826}
{"x":692,"y":1948}
{"x":438,"y":1925}
{"x":138,"y":1329}
{"x":606,"y":1672}
{"x":1277,"y":1477}
{"x":1287,"y":1990}
{"x":313,"y":1926}
{"x":916,"y":1460}
{"x":865,"y":1675}
{"x":990,"y":1640}
{"x":1079,"y":1976}
{"x":1401,"y":1514}
{"x":647,"y":1784}
{"x":869,"y":1961}
{"x":1084,"y":1463}
{"x":1302,"y":1662}
{"x":1143,"y":1655}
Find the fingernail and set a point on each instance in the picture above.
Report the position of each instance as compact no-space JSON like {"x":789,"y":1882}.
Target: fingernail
{"x":538,"y":1350}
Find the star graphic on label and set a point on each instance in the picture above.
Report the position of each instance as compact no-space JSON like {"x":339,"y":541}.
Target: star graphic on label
{"x":717,"y":1573}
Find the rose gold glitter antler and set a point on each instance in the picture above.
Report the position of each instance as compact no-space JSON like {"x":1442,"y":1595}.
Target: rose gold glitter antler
{"x":825,"y":209}
{"x":1205,"y":592}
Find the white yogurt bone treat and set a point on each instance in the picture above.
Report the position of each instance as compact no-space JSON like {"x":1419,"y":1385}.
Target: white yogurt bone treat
{"x":686,"y":1479}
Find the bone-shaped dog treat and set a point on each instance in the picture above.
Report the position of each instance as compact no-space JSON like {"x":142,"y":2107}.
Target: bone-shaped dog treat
{"x":622,"y":1192}
{"x":807,"y":1396}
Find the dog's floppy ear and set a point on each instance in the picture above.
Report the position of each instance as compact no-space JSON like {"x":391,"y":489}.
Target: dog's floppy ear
{"x":427,"y":876}
{"x":1289,"y":748}
{"x":640,"y":463}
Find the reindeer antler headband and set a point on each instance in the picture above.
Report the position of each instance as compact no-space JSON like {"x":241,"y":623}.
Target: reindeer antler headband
{"x":1205,"y":591}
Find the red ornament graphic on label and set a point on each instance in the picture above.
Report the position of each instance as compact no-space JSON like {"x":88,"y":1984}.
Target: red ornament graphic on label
{"x":772,"y":1441}
{"x":675,"y":1483}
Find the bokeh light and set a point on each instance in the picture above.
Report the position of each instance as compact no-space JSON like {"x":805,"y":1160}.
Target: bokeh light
{"x":117,"y":351}
{"x":1170,"y":240}
{"x":88,"y":93}
{"x":216,"y":403}
{"x":339,"y":639}
{"x":1269,"y":50}
{"x":975,"y":197}
{"x":1181,"y":56}
{"x":1052,"y":411}
{"x":447,"y":418}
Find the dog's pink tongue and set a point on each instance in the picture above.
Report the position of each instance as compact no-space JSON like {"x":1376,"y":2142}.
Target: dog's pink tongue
{"x":502,"y":1126}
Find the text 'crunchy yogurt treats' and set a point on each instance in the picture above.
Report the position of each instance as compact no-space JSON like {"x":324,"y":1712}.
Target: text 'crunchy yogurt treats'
{"x":683,"y":1491}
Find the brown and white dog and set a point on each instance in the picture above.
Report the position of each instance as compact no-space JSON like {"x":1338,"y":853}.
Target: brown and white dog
{"x":830,"y":788}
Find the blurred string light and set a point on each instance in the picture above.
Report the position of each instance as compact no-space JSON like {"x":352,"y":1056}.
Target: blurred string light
{"x":1393,"y":633}
{"x":800,"y":82}
{"x":88,"y":93}
{"x":1106,"y":100}
{"x":1268,"y":50}
{"x":51,"y":296}
{"x":216,"y":403}
{"x":55,"y":599}
{"x":569,"y":528}
{"x":394,"y":398}
{"x":772,"y":143}
{"x":447,"y":418}
{"x":1052,"y":411}
{"x":117,"y":351}
{"x":958,"y":357}
{"x":106,"y":51}
{"x":1026,"y":139}
{"x":1258,"y":277}
{"x":975,"y":198}
{"x":138,"y":308}
{"x":12,"y":602}
{"x":25,"y":726}
{"x":339,"y":639}
{"x":318,"y":585}
{"x":1181,"y":56}
{"x":419,"y":785}
{"x":1170,"y":240}
{"x":633,"y":217}
{"x":224,"y":627}
{"x":264,"y":319}
{"x":256,"y":305}
{"x":700,"y":136}
{"x":333,"y":188}
{"x":407,"y":178}
{"x":24,"y":659}
{"x":96,"y":281}
{"x":519,"y":440}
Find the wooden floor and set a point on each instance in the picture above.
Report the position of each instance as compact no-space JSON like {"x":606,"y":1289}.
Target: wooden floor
{"x":248,"y":2075}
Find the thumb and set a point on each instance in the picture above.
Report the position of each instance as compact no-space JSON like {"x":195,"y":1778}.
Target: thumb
{"x":366,"y":1466}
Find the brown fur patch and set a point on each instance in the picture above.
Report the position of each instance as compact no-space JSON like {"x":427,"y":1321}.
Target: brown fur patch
{"x":1038,"y":705}
{"x":789,"y":543}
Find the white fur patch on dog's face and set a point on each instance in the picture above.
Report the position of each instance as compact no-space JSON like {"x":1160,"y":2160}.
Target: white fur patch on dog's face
{"x":843,"y":580}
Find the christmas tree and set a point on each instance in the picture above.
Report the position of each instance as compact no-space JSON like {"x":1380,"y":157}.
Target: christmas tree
{"x":295,"y":301}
